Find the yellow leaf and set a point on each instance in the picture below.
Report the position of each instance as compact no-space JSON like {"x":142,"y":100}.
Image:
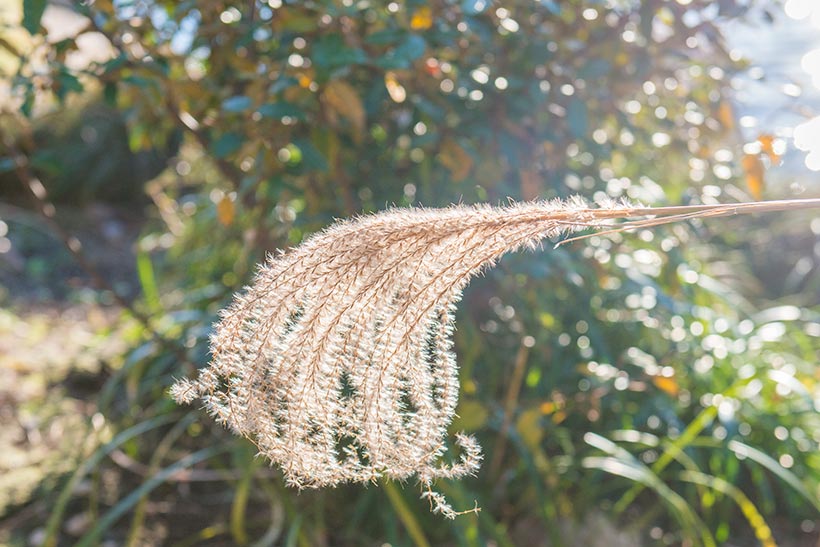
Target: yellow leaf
{"x":225,"y":211}
{"x":343,"y":101}
{"x":529,"y":427}
{"x":422,"y":19}
{"x":471,"y":415}
{"x":668,"y":385}
{"x":754,"y":170}
{"x":456,"y":159}
{"x":767,"y":145}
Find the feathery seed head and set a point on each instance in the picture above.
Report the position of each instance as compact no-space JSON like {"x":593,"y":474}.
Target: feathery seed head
{"x":337,"y":361}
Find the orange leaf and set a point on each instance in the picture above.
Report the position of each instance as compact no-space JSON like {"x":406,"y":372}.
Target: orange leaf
{"x":754,"y":170}
{"x":225,"y":211}
{"x":422,"y":19}
{"x":767,"y":145}
{"x":668,"y":385}
{"x":726,"y":115}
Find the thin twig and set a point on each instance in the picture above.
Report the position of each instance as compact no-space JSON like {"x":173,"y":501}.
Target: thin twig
{"x":510,"y":402}
{"x":39,"y":196}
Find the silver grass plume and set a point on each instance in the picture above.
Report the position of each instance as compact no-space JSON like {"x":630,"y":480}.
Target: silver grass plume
{"x":337,"y":361}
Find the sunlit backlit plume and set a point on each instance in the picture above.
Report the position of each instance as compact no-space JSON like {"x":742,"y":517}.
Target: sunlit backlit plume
{"x":337,"y":361}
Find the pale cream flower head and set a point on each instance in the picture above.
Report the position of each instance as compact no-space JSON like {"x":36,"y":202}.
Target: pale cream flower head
{"x":337,"y":361}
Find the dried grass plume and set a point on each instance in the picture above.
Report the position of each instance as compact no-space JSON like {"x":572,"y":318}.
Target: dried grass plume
{"x":337,"y":361}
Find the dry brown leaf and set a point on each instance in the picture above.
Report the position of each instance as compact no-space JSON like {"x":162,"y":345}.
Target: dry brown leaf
{"x":456,"y":159}
{"x":530,"y":183}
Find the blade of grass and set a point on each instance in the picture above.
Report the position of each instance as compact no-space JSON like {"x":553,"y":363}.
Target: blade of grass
{"x":153,"y":466}
{"x":492,"y":528}
{"x":145,"y":274}
{"x":113,"y":514}
{"x":761,"y":530}
{"x":635,"y":471}
{"x":757,"y":456}
{"x":404,"y":513}
{"x":688,"y":437}
{"x":240,"y":503}
{"x":207,"y":533}
{"x":295,"y":532}
{"x":653,"y":441}
{"x":90,"y":463}
{"x":277,"y":517}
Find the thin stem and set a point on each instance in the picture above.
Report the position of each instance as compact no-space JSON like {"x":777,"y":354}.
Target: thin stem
{"x":667,"y":215}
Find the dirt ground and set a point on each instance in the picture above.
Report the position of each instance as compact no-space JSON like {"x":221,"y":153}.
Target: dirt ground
{"x":57,"y":333}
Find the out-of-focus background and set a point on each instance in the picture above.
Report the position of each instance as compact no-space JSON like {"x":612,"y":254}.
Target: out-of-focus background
{"x":653,"y":388}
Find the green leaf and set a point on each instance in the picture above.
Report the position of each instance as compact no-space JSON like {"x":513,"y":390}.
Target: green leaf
{"x":410,"y":49}
{"x":331,"y":52}
{"x":577,"y":118}
{"x":145,"y":272}
{"x":114,"y":64}
{"x":237,"y":103}
{"x":281,"y":109}
{"x":68,"y":83}
{"x":28,"y":103}
{"x":32,"y":13}
{"x":226,"y":145}
{"x":282,"y":84}
{"x":110,"y":93}
{"x":311,"y":157}
{"x":383,"y":37}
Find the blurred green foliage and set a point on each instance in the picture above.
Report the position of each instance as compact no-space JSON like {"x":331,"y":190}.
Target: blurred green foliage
{"x":667,"y":379}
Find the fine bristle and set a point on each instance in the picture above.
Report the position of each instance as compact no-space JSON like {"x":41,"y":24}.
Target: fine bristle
{"x":337,"y":361}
